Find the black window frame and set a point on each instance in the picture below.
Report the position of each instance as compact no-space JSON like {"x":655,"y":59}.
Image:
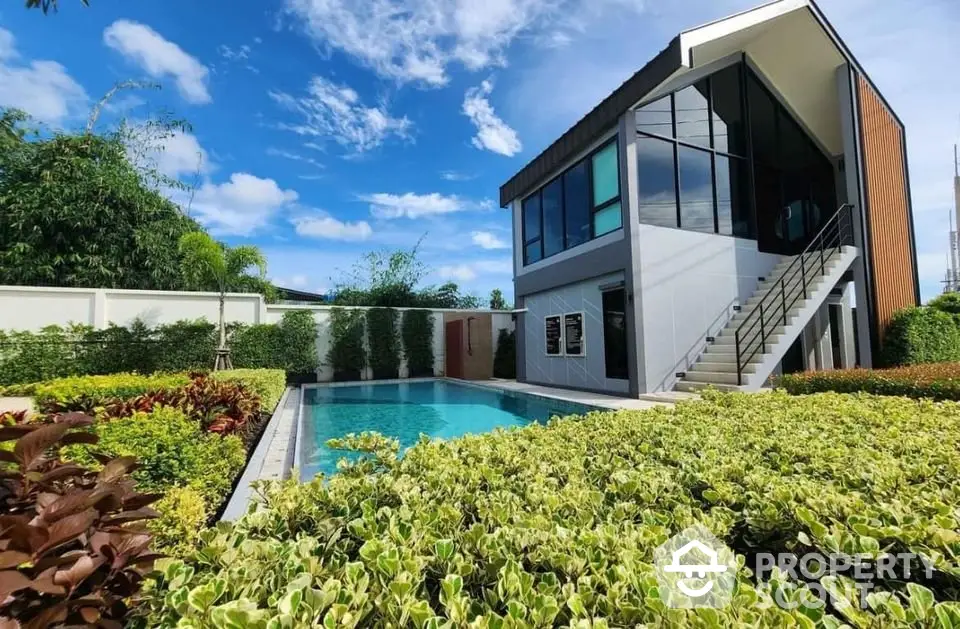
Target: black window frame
{"x":711,"y":149}
{"x":588,"y":158}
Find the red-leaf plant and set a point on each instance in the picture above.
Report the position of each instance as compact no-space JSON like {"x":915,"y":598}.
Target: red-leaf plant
{"x":73,"y":543}
{"x":221,"y":407}
{"x":13,"y":418}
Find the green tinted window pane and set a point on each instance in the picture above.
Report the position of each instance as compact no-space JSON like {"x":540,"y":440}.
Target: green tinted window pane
{"x":607,"y":220}
{"x":606,"y":175}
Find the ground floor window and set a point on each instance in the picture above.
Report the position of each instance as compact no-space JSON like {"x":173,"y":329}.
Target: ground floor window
{"x":615,"y":334}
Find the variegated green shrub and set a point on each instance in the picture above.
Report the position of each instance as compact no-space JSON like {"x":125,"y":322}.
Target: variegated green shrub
{"x":557,"y":525}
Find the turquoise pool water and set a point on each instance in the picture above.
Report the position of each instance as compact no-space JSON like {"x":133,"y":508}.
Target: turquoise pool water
{"x":438,"y":409}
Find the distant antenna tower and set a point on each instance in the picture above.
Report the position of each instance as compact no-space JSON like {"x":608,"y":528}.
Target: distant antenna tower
{"x":952,"y":283}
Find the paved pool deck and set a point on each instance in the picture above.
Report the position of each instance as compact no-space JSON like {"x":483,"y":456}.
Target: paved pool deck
{"x":591,"y":399}
{"x":16,"y":404}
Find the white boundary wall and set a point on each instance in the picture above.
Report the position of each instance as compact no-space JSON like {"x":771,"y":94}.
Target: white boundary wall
{"x":32,"y":308}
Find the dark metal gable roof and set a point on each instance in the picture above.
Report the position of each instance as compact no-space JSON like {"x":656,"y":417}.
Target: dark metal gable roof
{"x":602,"y":118}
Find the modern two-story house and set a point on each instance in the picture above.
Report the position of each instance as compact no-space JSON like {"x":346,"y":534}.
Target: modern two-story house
{"x":738,"y":208}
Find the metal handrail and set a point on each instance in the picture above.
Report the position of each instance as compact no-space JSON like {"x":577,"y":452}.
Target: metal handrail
{"x":831,"y":236}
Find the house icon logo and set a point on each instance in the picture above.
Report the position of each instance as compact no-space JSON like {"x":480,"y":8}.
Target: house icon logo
{"x":695,"y":569}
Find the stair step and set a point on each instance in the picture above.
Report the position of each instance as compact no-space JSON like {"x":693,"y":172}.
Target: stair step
{"x":717,"y":366}
{"x":792,"y":291}
{"x":723,"y":354}
{"x":694,"y":387}
{"x":723,"y":367}
{"x":712,"y":377}
{"x":773,"y":336}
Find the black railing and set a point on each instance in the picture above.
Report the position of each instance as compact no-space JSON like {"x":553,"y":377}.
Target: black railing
{"x":774,"y":307}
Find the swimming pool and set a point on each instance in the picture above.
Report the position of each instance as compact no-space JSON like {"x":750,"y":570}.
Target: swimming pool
{"x":436,"y":408}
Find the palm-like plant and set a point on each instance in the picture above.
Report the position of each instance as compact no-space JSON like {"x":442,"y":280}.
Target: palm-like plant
{"x":211,"y":265}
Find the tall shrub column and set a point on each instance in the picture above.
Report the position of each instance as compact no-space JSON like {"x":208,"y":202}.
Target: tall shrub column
{"x":347,"y":355}
{"x":384,"y":344}
{"x":417,"y":331}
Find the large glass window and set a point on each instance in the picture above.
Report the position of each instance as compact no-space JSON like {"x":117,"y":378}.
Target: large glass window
{"x":607,"y":220}
{"x":532,"y":249}
{"x":606,"y":175}
{"x":656,"y":117}
{"x":657,"y":181}
{"x":692,"y":107}
{"x":693,"y":175}
{"x":696,"y":190}
{"x":576,"y":203}
{"x":582,"y":203}
{"x":733,"y":191}
{"x":795,"y":185}
{"x":727,"y":114}
{"x":553,"y":232}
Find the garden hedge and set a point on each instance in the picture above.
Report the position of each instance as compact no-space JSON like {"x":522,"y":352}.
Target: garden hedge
{"x":57,"y":352}
{"x":921,"y":335}
{"x":417,"y":333}
{"x":347,"y":354}
{"x":94,"y":389}
{"x":940,"y":381}
{"x":269,"y":384}
{"x":172,"y":452}
{"x":556,"y":525}
{"x":384,"y":343}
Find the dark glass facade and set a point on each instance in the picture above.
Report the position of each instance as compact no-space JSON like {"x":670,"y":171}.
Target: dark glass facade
{"x":581,"y":204}
{"x":724,"y":156}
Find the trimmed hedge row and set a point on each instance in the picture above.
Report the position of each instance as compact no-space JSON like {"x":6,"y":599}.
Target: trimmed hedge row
{"x":57,"y":352}
{"x":939,"y":381}
{"x":921,"y":335}
{"x":556,"y":525}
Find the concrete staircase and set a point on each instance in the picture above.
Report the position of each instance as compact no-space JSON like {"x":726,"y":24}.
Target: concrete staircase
{"x":761,"y":353}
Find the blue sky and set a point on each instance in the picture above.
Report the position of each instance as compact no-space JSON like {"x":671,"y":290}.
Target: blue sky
{"x":323,"y":129}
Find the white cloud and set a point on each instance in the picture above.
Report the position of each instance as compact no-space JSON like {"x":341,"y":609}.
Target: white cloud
{"x":336,"y":111}
{"x":181,"y":154}
{"x":298,"y":280}
{"x":459,"y":272}
{"x":234,"y":54}
{"x":43,"y":89}
{"x":160,"y":58}
{"x":416,"y":40}
{"x":412,"y":205}
{"x":493,"y":134}
{"x":241,"y":205}
{"x":468,"y":271}
{"x":8,"y":48}
{"x":275,"y":152}
{"x":329,"y":228}
{"x":488,"y":240}
{"x":452,"y":175}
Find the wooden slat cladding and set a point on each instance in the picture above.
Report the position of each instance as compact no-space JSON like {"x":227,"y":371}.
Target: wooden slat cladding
{"x":888,"y":207}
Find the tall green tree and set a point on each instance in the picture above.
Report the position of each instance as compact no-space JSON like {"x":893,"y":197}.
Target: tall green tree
{"x":76,"y":212}
{"x":211,"y":265}
{"x":392,"y":279}
{"x":46,"y":5}
{"x":497,"y":302}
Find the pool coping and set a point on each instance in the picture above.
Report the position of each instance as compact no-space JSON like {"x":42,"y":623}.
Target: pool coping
{"x":263,"y":463}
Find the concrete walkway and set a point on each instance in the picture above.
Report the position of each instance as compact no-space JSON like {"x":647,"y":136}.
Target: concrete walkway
{"x":583,"y":397}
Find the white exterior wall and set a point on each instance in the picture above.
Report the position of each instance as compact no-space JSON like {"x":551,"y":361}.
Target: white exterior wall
{"x":690,"y":282}
{"x":32,"y":308}
{"x":579,"y":372}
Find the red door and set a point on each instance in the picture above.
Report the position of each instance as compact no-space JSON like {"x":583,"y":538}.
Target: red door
{"x":454,"y":349}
